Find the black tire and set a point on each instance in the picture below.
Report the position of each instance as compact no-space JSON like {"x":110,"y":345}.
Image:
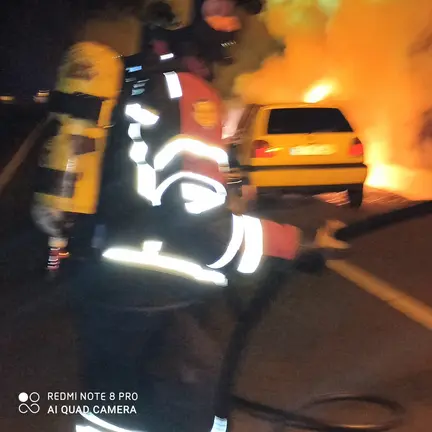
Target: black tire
{"x":355,"y":197}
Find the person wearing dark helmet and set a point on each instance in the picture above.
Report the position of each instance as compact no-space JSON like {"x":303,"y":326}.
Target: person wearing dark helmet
{"x":199,"y":32}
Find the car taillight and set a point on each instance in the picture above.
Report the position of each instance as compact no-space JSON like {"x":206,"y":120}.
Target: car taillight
{"x":260,"y":149}
{"x":356,"y":148}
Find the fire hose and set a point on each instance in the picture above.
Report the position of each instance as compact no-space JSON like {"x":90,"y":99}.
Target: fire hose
{"x":227,"y":401}
{"x":250,"y":318}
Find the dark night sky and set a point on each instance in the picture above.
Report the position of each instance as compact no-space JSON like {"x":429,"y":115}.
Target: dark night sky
{"x":34,"y":34}
{"x":33,"y":37}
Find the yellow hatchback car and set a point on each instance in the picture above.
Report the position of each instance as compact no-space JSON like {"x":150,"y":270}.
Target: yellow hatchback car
{"x":301,"y":148}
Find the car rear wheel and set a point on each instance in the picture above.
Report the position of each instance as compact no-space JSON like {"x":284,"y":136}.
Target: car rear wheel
{"x":355,"y":197}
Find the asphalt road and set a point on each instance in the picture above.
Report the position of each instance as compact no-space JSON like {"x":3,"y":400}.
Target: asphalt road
{"x":324,"y":333}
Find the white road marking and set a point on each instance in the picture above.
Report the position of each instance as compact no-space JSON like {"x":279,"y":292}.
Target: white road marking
{"x":409,"y":306}
{"x":18,"y":158}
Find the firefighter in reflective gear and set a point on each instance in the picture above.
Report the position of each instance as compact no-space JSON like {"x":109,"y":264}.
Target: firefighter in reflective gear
{"x":87,"y":89}
{"x":176,"y":150}
{"x":162,"y":227}
{"x":167,"y":228}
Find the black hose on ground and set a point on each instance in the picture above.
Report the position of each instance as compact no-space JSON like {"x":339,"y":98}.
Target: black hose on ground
{"x":247,"y":321}
{"x":384,"y":220}
{"x":250,"y":318}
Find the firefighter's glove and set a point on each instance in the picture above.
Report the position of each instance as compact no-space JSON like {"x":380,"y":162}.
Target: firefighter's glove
{"x":326,"y":236}
{"x":312,"y":255}
{"x":48,"y":219}
{"x":326,"y":240}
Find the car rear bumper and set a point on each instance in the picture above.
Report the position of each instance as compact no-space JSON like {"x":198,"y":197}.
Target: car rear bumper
{"x":309,"y":190}
{"x":325,"y":178}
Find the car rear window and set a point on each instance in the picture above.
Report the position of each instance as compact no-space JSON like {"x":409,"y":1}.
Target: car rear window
{"x":306,"y":120}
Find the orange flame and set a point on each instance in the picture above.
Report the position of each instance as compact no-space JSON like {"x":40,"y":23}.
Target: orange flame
{"x":375,"y":55}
